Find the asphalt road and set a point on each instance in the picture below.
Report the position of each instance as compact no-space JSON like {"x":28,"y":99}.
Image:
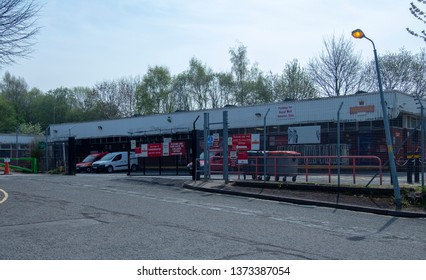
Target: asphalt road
{"x":102,"y":216}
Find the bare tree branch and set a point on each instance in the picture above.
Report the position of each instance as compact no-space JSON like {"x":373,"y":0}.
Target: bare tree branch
{"x":18,"y":29}
{"x":420,"y":15}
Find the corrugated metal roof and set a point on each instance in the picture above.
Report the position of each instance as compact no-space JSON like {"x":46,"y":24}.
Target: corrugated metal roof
{"x":357,"y":107}
{"x":13,"y":138}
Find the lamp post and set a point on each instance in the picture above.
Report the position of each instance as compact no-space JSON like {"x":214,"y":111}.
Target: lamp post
{"x":264,"y":144}
{"x":422,"y":123}
{"x":359,"y":34}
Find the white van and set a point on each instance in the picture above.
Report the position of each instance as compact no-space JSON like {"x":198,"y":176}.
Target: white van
{"x":115,"y":161}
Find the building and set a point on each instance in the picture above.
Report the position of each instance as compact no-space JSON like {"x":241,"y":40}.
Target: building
{"x":308,"y":126}
{"x":15,"y":145}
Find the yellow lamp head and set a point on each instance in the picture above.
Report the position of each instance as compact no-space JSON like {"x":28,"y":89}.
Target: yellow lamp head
{"x":357,"y":33}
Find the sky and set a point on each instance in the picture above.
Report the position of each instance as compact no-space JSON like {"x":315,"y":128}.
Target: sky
{"x":84,"y":42}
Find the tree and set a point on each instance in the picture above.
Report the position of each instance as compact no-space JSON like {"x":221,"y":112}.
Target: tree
{"x":420,"y":15}
{"x":419,"y":74}
{"x":18,"y":28}
{"x":259,"y":86}
{"x":240,"y":72}
{"x":336,"y":72}
{"x":222,"y":90}
{"x":179,"y":96}
{"x":8,"y":120}
{"x":109,"y":99}
{"x":30,"y":129}
{"x":396,"y":70}
{"x":61,"y":104}
{"x":127,"y":92}
{"x":294,"y":83}
{"x":199,"y":83}
{"x":42,"y":115}
{"x":152,"y":95}
{"x":15,"y":91}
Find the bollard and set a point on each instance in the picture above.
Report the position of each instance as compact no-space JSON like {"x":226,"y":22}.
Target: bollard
{"x":410,"y":165}
{"x":416,"y":169}
{"x":6,"y":168}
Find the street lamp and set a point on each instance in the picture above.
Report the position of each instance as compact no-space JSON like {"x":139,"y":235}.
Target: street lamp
{"x":264,"y":144}
{"x":422,"y":137}
{"x":359,"y":34}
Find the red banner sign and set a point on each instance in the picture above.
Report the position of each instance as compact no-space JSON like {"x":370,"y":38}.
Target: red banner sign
{"x":241,"y":142}
{"x":159,"y":149}
{"x":177,"y":148}
{"x":151,"y":150}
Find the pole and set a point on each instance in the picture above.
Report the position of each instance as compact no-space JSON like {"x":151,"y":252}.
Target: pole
{"x":17,"y":143}
{"x":46,"y":152}
{"x":65,"y":160}
{"x":423,"y":146}
{"x":338,"y":145}
{"x":422,"y":123}
{"x":394,"y":176}
{"x":194,"y":150}
{"x":206,"y":146}
{"x":264,"y":145}
{"x":225,"y":147}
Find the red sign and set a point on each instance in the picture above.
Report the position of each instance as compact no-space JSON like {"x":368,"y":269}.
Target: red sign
{"x":177,"y":148}
{"x":155,"y":150}
{"x":361,"y":109}
{"x":242,"y":157}
{"x":158,"y":150}
{"x":151,"y":150}
{"x":241,"y":141}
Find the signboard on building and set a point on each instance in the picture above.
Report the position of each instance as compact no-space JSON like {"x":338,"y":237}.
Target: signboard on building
{"x":246,"y":142}
{"x":132,"y":144}
{"x":166,"y":149}
{"x":255,"y":142}
{"x":243,"y":157}
{"x":177,"y":148}
{"x":151,"y":150}
{"x":285,"y":112}
{"x":361,"y":109}
{"x":304,"y":134}
{"x":161,"y":149}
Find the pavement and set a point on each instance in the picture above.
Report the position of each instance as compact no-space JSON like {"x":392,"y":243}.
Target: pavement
{"x":372,"y":199}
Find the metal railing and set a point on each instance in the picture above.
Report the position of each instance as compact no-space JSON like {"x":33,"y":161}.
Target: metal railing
{"x":28,"y":164}
{"x":293,"y":166}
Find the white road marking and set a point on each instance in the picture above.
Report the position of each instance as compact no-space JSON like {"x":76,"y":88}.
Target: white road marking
{"x":5,"y":196}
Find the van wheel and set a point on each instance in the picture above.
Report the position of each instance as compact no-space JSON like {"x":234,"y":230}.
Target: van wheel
{"x":133,"y":168}
{"x":110,"y":169}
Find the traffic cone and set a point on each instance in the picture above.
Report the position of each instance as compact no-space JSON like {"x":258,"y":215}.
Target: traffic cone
{"x":6,"y":168}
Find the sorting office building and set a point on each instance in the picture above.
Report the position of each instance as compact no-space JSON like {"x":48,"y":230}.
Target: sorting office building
{"x":307,"y":126}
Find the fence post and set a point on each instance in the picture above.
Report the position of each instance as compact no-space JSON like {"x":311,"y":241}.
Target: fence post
{"x":306,"y":169}
{"x":34,"y":160}
{"x":329,"y":170}
{"x":410,"y":165}
{"x":354,"y":170}
{"x":416,"y":161}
